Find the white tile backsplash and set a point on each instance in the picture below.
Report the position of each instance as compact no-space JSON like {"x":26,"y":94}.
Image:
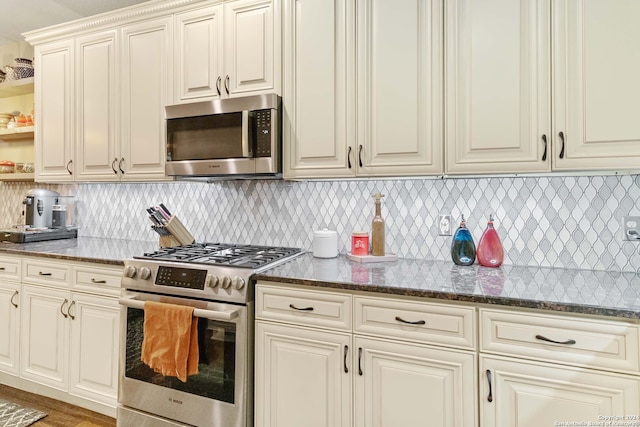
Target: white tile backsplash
{"x":572,"y":222}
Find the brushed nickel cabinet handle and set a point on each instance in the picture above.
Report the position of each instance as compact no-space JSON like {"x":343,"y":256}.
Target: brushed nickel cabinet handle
{"x":62,"y":308}
{"x":300,"y":308}
{"x":544,"y":155}
{"x":69,"y":310}
{"x":490,"y":397}
{"x":567,"y":342}
{"x":15,"y":294}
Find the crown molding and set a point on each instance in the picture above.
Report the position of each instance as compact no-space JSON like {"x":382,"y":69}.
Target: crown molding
{"x":108,"y":19}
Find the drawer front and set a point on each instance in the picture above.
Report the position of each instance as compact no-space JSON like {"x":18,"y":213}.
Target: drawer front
{"x":416,"y":321}
{"x":583,"y":342}
{"x":10,"y":268}
{"x":90,"y":278}
{"x":46,"y":273}
{"x":313,"y":308}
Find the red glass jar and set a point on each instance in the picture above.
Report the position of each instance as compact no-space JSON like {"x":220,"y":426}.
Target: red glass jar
{"x":359,"y":243}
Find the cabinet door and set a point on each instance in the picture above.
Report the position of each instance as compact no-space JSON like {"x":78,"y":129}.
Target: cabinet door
{"x":10,"y":326}
{"x":146,"y":79}
{"x":199,"y":54}
{"x":44,"y":344}
{"x":53,"y":109}
{"x":498,"y":86}
{"x":303,"y":377}
{"x":399,"y":87}
{"x":596,"y":85}
{"x":94,"y":348}
{"x":527,"y":394}
{"x":402,"y":385}
{"x":97,"y":155}
{"x":319,"y":88}
{"x":252,"y":47}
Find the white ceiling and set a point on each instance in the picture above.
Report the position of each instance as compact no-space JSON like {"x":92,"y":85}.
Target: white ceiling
{"x":17,"y":17}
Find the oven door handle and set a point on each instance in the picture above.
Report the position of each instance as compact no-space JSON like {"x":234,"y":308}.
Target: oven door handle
{"x":197,"y":312}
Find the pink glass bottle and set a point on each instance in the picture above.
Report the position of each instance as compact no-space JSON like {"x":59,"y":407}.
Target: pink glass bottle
{"x":490,"y":252}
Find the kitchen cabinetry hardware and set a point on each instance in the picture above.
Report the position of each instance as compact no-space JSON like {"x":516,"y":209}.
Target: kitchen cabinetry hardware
{"x":113,"y":165}
{"x":219,"y":79}
{"x":544,"y":154}
{"x":69,"y":164}
{"x":120,"y":165}
{"x":62,"y":308}
{"x":226,"y":84}
{"x":360,"y":155}
{"x":360,"y":361}
{"x":2,"y":269}
{"x":13,"y":303}
{"x":567,"y":342}
{"x":98,"y":281}
{"x":349,"y":157}
{"x":490,"y":397}
{"x":346,"y":351}
{"x":300,"y":308}
{"x":69,"y":310}
{"x":417,"y":322}
{"x":40,"y":273}
{"x":561,"y":135}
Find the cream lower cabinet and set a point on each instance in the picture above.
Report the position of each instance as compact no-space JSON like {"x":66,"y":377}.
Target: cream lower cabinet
{"x":9,"y":314}
{"x":540,"y":369}
{"x":70,"y":322}
{"x":314,"y":368}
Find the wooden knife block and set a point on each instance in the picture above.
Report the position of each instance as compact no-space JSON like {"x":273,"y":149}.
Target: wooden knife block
{"x":180,"y":236}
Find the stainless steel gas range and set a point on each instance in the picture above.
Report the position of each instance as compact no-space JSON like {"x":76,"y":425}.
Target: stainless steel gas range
{"x":215,"y":279}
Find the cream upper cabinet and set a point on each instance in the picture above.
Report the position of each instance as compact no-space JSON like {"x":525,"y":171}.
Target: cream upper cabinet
{"x":397,"y":129}
{"x":97,"y":154}
{"x":399,"y":81}
{"x":318,"y":94}
{"x":199,"y":53}
{"x":227,"y":50}
{"x":54,"y":109}
{"x":596,"y":85}
{"x":146,"y":88}
{"x":497,"y":86}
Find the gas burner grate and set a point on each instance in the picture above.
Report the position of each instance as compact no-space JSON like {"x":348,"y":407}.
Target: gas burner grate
{"x":245,"y":256}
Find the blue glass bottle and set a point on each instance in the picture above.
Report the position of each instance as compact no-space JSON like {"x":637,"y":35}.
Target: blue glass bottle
{"x":463,"y":250}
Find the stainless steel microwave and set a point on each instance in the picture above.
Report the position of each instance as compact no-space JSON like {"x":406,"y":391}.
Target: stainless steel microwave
{"x":235,"y":137}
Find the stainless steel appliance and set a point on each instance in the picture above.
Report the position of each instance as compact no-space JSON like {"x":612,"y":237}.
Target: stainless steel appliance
{"x":40,"y":208}
{"x":236,"y":137}
{"x":215,"y":279}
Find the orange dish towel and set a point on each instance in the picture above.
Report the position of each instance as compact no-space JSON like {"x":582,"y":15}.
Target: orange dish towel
{"x":170,"y":342}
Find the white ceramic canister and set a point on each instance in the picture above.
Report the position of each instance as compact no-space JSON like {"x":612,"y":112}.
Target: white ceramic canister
{"x":325,"y":243}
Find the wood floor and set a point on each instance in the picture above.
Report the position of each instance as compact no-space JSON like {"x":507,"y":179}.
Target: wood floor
{"x":59,"y":414}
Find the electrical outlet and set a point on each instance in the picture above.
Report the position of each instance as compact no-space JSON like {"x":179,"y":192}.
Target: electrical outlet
{"x":631,"y":227}
{"x":444,"y":225}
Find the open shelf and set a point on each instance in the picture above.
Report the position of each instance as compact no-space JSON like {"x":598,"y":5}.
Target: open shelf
{"x":17,"y":176}
{"x":16,"y":87}
{"x":23,"y":132}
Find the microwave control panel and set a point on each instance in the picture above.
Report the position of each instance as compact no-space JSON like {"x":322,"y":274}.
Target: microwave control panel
{"x":263,"y":133}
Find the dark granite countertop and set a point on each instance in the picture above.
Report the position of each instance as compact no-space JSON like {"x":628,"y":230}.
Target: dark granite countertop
{"x":89,"y":249}
{"x":579,"y":291}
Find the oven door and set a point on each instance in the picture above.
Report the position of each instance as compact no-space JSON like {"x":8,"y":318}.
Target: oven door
{"x":219,"y":394}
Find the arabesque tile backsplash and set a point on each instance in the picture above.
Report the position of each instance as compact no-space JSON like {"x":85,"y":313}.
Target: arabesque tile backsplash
{"x":571,"y":222}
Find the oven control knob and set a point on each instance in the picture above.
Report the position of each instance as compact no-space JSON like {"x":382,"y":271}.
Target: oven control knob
{"x":212,"y":281}
{"x":145,"y":273}
{"x":226,"y":282}
{"x":130,"y":272}
{"x":237,"y":283}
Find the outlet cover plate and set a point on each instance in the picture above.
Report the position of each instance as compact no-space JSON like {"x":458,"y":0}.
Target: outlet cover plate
{"x":631,"y":228}
{"x":444,"y":225}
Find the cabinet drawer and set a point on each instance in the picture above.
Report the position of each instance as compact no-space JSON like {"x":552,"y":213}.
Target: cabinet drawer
{"x":46,"y":273}
{"x":432,"y":323}
{"x":314,"y":308}
{"x":96,"y":279}
{"x":578,"y":341}
{"x":10,"y":268}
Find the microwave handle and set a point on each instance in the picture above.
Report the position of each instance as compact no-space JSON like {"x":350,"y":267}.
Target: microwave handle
{"x":245,"y":134}
{"x":197,"y":312}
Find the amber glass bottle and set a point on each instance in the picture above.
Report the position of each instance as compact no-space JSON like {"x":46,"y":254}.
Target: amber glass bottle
{"x":377,"y":229}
